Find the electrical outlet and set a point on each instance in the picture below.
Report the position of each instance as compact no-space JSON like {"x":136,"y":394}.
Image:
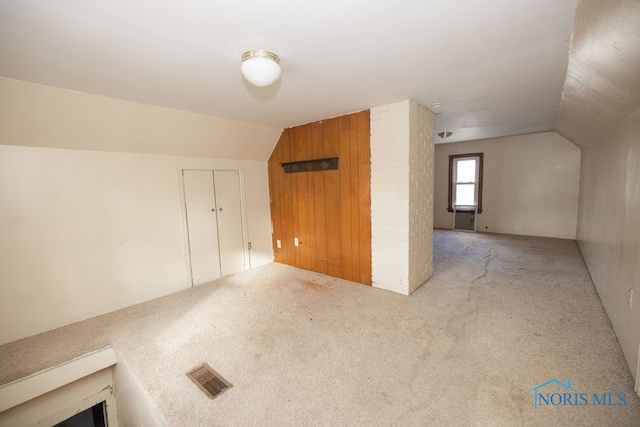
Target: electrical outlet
{"x":630,"y":297}
{"x":296,"y":242}
{"x":279,"y":244}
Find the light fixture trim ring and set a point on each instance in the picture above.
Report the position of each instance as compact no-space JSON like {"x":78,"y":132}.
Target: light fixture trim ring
{"x":260,"y":53}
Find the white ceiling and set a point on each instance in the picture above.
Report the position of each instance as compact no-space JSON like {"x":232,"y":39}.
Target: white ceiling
{"x":498,"y":65}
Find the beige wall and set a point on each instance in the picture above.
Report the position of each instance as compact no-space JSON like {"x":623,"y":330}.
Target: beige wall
{"x":135,"y":407}
{"x":88,"y":232}
{"x":600,"y":112}
{"x":530,"y":184}
{"x":43,"y":116}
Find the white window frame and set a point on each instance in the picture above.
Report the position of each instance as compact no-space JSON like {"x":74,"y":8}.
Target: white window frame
{"x":474,"y":182}
{"x":453,"y":163}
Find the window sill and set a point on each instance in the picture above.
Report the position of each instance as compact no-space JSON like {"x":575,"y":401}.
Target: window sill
{"x":464,"y":210}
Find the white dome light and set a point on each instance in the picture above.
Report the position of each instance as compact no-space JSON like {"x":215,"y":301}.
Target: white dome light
{"x":260,"y":67}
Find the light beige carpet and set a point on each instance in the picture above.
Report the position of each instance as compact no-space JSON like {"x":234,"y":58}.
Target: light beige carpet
{"x":501,"y":315}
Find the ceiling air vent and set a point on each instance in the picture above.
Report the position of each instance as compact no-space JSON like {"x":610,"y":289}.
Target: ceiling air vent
{"x":209,"y":381}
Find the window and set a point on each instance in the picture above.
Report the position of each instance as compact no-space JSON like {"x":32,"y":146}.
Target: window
{"x":465,"y":180}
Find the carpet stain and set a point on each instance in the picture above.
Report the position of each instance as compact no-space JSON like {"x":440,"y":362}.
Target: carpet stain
{"x":313,"y":285}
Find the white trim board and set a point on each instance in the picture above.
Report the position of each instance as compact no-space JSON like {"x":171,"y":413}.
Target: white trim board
{"x":39,"y":383}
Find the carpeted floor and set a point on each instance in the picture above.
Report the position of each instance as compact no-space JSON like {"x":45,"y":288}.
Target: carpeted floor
{"x":501,"y":315}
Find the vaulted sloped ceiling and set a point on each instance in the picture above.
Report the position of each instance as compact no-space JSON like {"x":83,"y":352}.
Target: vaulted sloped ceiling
{"x":498,"y":65}
{"x":603,"y":79}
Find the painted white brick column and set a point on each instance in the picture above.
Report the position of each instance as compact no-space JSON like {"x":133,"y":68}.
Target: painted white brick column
{"x":421,"y":154}
{"x":401,"y":196}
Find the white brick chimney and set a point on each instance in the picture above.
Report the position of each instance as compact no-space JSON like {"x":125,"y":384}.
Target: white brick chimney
{"x":401,"y":196}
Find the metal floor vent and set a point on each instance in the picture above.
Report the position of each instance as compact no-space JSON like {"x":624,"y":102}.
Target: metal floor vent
{"x":209,"y":381}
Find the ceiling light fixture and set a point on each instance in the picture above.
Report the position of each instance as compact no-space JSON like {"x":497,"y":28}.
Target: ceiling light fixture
{"x":444,"y":134}
{"x":260,"y":67}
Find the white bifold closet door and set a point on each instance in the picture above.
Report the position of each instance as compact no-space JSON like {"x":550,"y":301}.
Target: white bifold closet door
{"x":227,"y":189}
{"x":214,"y":222}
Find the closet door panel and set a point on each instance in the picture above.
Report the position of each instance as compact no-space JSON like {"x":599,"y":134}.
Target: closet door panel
{"x":230,"y":230}
{"x":202,"y":226}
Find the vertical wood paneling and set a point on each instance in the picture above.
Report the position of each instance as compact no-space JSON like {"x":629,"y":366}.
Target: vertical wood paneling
{"x":344,"y":127}
{"x":332,"y":196}
{"x":284,"y":252}
{"x":274,"y":197}
{"x":313,"y":253}
{"x":317,"y":135}
{"x":364,"y":156}
{"x":287,"y":218}
{"x":301,"y":190}
{"x":354,"y":190}
{"x":294,"y":196}
{"x":329,"y":211}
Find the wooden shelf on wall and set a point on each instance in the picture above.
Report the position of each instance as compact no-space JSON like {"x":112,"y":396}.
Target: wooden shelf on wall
{"x":317,"y":165}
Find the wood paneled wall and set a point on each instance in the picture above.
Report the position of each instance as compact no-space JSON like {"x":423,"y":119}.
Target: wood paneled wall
{"x":328,"y":211}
